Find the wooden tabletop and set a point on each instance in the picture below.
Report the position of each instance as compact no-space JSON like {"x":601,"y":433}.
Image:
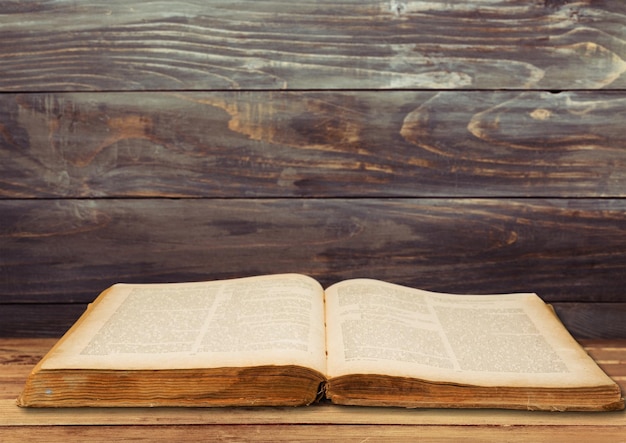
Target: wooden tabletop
{"x":320,"y":422}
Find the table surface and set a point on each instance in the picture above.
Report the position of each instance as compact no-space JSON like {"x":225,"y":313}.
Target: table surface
{"x":313,"y":423}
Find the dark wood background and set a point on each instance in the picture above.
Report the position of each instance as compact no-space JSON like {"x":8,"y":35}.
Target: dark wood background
{"x":473,"y":147}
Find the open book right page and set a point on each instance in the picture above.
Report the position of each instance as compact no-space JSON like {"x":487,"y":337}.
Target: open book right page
{"x":375,"y":327}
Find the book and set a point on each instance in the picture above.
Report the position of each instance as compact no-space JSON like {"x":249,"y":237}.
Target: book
{"x":282,"y":340}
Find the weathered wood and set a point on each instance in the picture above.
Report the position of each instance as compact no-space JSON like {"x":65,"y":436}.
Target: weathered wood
{"x":593,"y":320}
{"x":260,"y":144}
{"x":336,"y":102}
{"x":316,"y":433}
{"x":317,"y":423}
{"x":68,"y":250}
{"x":38,"y":319}
{"x":251,"y":44}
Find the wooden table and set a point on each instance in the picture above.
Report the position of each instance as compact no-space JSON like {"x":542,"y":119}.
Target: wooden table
{"x":321,"y":422}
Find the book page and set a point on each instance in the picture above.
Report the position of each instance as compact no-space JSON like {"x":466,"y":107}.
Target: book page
{"x":266,"y":320}
{"x":375,"y":327}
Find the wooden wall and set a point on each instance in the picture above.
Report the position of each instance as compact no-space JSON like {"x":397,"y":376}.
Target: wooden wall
{"x":474,"y":147}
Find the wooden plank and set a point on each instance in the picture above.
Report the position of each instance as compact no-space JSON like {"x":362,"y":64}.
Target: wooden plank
{"x":38,"y":319}
{"x":315,"y":144}
{"x":309,"y":433}
{"x":583,"y":320}
{"x":610,"y":355}
{"x":307,"y":415}
{"x":594,"y":320}
{"x":250,"y":44}
{"x":66,"y":251}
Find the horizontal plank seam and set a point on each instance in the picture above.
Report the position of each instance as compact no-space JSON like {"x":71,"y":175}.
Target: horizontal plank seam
{"x":381,"y":90}
{"x":330,"y":197}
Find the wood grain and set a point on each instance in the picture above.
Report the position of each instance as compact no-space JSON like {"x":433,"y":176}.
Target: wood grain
{"x":316,"y":433}
{"x":192,"y":140}
{"x":348,"y":44}
{"x":38,"y":319}
{"x":313,"y":144}
{"x":68,"y":251}
{"x":594,"y":320}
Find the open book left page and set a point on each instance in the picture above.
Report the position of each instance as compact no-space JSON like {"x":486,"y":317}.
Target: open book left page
{"x":265,"y":320}
{"x":256,"y":341}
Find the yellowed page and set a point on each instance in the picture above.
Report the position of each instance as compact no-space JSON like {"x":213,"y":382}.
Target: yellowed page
{"x":375,"y":327}
{"x":266,"y":320}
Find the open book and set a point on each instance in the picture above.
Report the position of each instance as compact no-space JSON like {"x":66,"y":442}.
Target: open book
{"x":280,"y":340}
